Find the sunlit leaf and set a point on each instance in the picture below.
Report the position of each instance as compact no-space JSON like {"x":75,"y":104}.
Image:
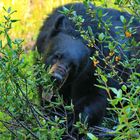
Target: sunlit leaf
{"x":91,"y":136}
{"x":101,"y":36}
{"x":104,"y":78}
{"x":122,"y":18}
{"x":124,"y":88}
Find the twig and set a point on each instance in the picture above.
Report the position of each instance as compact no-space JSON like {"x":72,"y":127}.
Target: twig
{"x":25,"y":127}
{"x":103,"y":132}
{"x":10,"y":123}
{"x":4,"y":123}
{"x":30,"y":105}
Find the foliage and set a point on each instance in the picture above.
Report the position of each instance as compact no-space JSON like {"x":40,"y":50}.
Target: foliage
{"x":20,"y":112}
{"x":128,"y":95}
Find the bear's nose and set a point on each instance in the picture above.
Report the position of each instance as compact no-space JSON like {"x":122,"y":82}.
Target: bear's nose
{"x":57,"y":78}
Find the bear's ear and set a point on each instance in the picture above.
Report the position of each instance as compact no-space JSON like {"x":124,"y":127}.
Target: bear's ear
{"x":60,"y":23}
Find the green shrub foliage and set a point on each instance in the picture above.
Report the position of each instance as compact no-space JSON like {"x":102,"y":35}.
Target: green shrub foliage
{"x":20,"y":112}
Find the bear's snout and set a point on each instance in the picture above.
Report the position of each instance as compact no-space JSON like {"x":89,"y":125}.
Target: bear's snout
{"x":57,"y":78}
{"x":59,"y":74}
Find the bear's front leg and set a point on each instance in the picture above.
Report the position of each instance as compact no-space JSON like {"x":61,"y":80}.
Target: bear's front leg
{"x":92,"y":108}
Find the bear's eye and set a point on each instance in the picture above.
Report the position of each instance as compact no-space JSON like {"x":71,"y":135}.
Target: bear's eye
{"x":58,"y":56}
{"x":55,"y":58}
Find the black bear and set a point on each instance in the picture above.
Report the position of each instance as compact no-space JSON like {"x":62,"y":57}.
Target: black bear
{"x":67,"y":53}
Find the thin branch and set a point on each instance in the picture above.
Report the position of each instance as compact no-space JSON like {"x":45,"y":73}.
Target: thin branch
{"x":4,"y":123}
{"x":30,"y":105}
{"x":25,"y":127}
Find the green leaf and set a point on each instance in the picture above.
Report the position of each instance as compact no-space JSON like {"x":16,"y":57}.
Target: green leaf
{"x":114,"y":101}
{"x":86,"y":3}
{"x":66,"y":10}
{"x":131,"y":20}
{"x":118,"y":27}
{"x":90,"y":30}
{"x":124,"y":88}
{"x":6,"y":18}
{"x":100,"y":13}
{"x":105,"y":14}
{"x":101,"y":36}
{"x":117,"y":92}
{"x":18,"y":41}
{"x":4,"y":9}
{"x":104,"y":78}
{"x":114,"y":90}
{"x":102,"y":87}
{"x":14,"y":20}
{"x":122,"y":18}
{"x":68,"y":107}
{"x":9,"y":40}
{"x":91,"y":136}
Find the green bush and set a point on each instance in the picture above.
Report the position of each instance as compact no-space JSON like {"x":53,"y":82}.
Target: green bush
{"x":128,"y":120}
{"x":20,"y":111}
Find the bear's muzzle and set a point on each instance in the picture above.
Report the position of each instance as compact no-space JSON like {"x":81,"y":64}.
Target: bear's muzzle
{"x":59,"y":74}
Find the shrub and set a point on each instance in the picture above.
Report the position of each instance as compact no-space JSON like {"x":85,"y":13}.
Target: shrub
{"x":20,"y":112}
{"x":126,"y":126}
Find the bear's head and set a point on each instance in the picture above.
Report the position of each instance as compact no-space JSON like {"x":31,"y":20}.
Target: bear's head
{"x":66,"y":55}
